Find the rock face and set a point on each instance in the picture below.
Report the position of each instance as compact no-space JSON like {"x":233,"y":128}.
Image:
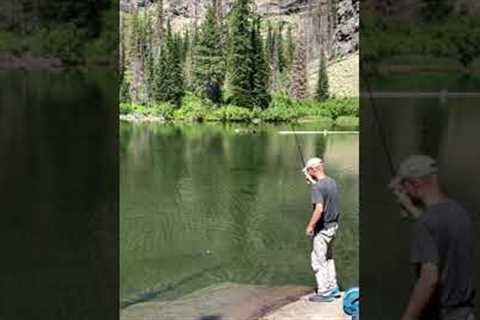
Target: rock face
{"x":337,"y":33}
{"x":346,"y":33}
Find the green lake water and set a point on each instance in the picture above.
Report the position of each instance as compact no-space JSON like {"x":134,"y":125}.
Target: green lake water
{"x":210,"y":203}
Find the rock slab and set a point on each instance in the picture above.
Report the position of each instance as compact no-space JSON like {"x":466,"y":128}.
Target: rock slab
{"x":227,"y":301}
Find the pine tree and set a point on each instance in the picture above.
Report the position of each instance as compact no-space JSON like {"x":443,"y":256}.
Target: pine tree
{"x":188,"y":65}
{"x":169,"y":82}
{"x":248,"y":70}
{"x":322,"y":85}
{"x":279,"y":50}
{"x":136,"y":57}
{"x":148,"y":58}
{"x":239,"y":58}
{"x":159,"y":25}
{"x":290,"y":48}
{"x":185,"y":46}
{"x":260,"y":69}
{"x":270,"y":44}
{"x":209,"y":63}
{"x":298,"y":82}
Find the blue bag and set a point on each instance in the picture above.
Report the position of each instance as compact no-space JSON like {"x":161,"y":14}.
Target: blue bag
{"x":351,"y":301}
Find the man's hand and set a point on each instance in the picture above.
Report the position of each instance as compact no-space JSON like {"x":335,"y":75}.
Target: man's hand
{"x":308,"y":178}
{"x":403,"y":199}
{"x":309,"y":231}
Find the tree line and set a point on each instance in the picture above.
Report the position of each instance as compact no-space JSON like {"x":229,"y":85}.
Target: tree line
{"x":73,"y":31}
{"x":240,"y":60}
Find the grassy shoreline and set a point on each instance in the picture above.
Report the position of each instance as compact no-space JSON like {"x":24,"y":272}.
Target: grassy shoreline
{"x":343,"y":112}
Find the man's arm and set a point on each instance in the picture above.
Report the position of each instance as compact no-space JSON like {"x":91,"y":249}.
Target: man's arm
{"x":316,"y":215}
{"x":422,"y":292}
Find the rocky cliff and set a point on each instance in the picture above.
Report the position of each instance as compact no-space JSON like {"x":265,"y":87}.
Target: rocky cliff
{"x":337,"y":33}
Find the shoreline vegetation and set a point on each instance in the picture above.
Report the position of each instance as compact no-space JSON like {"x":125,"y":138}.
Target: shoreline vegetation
{"x":341,"y":112}
{"x":235,"y":66}
{"x":58,"y":35}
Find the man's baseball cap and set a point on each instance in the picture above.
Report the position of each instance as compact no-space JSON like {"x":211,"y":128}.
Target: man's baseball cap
{"x":313,"y":162}
{"x":417,"y":166}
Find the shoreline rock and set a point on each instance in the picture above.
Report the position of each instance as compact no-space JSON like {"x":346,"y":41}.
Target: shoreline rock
{"x":29,"y":62}
{"x":225,"y":301}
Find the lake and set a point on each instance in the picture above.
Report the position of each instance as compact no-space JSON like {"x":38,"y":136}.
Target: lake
{"x":59,"y":186}
{"x":202,"y":204}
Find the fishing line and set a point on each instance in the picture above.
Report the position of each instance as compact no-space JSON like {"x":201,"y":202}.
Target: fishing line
{"x":297,"y":142}
{"x":381,"y":129}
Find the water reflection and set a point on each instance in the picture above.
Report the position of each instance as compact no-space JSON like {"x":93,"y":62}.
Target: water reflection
{"x":59,"y":195}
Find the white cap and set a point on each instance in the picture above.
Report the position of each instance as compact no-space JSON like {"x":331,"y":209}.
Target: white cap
{"x":417,"y":166}
{"x":313,"y":162}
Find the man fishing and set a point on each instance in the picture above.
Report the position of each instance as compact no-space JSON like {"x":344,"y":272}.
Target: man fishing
{"x":442,"y":246}
{"x":322,"y":228}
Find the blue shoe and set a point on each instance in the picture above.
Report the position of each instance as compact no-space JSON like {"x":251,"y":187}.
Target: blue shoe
{"x":320,"y":298}
{"x":334,"y":293}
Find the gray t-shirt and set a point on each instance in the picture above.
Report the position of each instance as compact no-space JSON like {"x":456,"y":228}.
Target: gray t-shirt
{"x":325,"y":192}
{"x":443,"y":235}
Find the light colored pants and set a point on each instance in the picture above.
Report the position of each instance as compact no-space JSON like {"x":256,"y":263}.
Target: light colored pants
{"x":322,"y":259}
{"x":458,"y":314}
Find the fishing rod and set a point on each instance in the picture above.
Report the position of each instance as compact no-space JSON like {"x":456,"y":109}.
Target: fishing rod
{"x":309,"y":178}
{"x":381,"y":129}
{"x":383,"y":137}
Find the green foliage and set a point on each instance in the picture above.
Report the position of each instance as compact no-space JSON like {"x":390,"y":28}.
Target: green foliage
{"x":276,"y":57}
{"x":168,"y":81}
{"x":322,"y":84}
{"x":457,"y":38}
{"x":65,"y":42}
{"x":231,"y":113}
{"x":312,"y":108}
{"x":185,"y":46}
{"x":193,"y":109}
{"x":9,"y":42}
{"x":281,"y":108}
{"x":248,"y":71}
{"x":164,"y":110}
{"x":281,"y":101}
{"x":239,"y":60}
{"x":260,"y":77}
{"x":290,"y":48}
{"x":342,"y":107}
{"x":279,"y":114}
{"x":464,"y":35}
{"x":126,"y":108}
{"x":279,"y":44}
{"x":270,"y":44}
{"x":99,"y":51}
{"x":347,"y":122}
{"x":209,"y":62}
{"x":73,"y":31}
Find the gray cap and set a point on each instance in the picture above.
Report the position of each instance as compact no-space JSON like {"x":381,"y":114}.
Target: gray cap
{"x":417,"y":166}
